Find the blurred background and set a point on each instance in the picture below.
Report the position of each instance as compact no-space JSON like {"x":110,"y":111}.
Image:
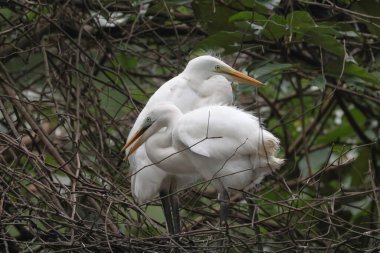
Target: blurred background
{"x":74,"y":75}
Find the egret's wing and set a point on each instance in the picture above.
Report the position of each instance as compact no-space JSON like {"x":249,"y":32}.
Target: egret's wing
{"x":218,"y":131}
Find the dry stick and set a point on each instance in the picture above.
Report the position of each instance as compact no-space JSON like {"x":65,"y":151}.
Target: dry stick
{"x":8,"y":119}
{"x":340,"y":88}
{"x":373,"y":184}
{"x":174,"y":28}
{"x":73,"y":195}
{"x":27,"y":115}
{"x":47,"y":71}
{"x":36,"y":127}
{"x":7,"y":50}
{"x":2,"y":201}
{"x":105,"y":227}
{"x":331,"y":5}
{"x":52,"y":150}
{"x":43,"y":179}
{"x":355,"y":126}
{"x":303,"y":136}
{"x":312,"y":126}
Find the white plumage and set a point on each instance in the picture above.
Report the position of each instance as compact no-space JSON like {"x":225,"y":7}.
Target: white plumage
{"x":221,"y":143}
{"x":203,"y":82}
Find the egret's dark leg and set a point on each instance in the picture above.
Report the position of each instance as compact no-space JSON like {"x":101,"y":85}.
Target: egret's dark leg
{"x":252,"y":209}
{"x":223,"y":215}
{"x":174,"y":205}
{"x":175,"y":211}
{"x":165,"y":199}
{"x":224,"y":203}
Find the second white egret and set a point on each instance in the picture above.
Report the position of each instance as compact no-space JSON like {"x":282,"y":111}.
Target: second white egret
{"x":222,"y":144}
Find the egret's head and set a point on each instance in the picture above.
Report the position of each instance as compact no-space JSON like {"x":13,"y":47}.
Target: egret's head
{"x":157,"y":118}
{"x":206,"y":66}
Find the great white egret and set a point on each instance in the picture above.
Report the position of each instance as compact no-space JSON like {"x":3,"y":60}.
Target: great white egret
{"x":204,"y":81}
{"x":223,"y":144}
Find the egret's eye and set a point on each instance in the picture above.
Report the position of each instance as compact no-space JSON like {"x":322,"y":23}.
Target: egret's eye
{"x":148,"y":120}
{"x":217,"y":68}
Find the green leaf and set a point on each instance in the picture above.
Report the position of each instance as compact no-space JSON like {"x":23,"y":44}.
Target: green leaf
{"x":322,"y":29}
{"x":242,"y":16}
{"x":110,"y":99}
{"x":185,"y":10}
{"x":126,"y":62}
{"x":156,"y":213}
{"x":248,"y":3}
{"x":275,"y":28}
{"x":357,"y":71}
{"x":302,"y":26}
{"x":299,"y":23}
{"x":229,"y":42}
{"x":319,"y":81}
{"x":7,"y":13}
{"x":327,"y":42}
{"x":12,"y":231}
{"x":299,"y":19}
{"x":272,"y":68}
{"x":316,"y":158}
{"x":352,"y":73}
{"x":213,"y":20}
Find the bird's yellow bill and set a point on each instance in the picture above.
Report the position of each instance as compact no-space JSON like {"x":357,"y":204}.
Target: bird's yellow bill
{"x":137,"y":143}
{"x":240,"y":77}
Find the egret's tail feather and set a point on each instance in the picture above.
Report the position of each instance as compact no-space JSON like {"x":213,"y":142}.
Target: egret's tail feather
{"x":267,"y":162}
{"x":271,"y":144}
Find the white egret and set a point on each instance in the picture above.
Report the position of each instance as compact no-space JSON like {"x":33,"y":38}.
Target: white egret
{"x":204,"y":81}
{"x":223,"y":144}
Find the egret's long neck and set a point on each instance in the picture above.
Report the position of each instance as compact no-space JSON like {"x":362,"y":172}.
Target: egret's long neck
{"x":160,"y":145}
{"x":195,"y":78}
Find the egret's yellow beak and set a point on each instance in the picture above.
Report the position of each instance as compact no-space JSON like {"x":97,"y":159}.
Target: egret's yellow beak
{"x":136,"y":140}
{"x":239,"y":77}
